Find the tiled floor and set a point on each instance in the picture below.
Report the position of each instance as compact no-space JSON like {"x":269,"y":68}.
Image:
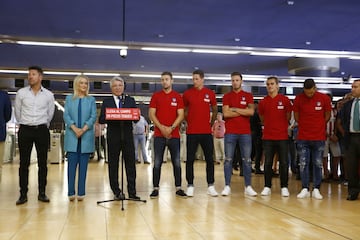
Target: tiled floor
{"x":169,"y":217}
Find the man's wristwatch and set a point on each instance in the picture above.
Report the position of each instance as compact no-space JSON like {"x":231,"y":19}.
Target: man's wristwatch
{"x":172,"y":127}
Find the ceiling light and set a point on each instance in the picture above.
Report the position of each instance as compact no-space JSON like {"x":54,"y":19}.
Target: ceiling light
{"x":13,"y":71}
{"x":165,"y":49}
{"x":355,"y":58}
{"x":101,"y":74}
{"x":273,"y":54}
{"x":118,"y":47}
{"x":145,"y":75}
{"x":47,"y":44}
{"x":215,"y":51}
{"x":61,"y":73}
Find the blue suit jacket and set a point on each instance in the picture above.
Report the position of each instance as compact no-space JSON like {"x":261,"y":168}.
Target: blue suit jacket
{"x":5,"y":113}
{"x":88,"y":117}
{"x":345,"y":116}
{"x":115,"y":127}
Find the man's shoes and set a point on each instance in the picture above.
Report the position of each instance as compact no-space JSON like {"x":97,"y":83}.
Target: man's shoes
{"x":22,"y":199}
{"x":316,"y":194}
{"x":249,"y":191}
{"x":146,"y":162}
{"x":190,"y":191}
{"x":304,"y":193}
{"x":212,"y":192}
{"x":154,"y":194}
{"x":259,"y":171}
{"x":133,"y":197}
{"x":119,"y":196}
{"x":352,"y":197}
{"x":285,"y":192}
{"x":226,"y":191}
{"x":71,"y":198}
{"x":181,"y":193}
{"x":43,"y":198}
{"x":266,"y":191}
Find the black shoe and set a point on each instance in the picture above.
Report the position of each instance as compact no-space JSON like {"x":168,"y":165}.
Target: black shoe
{"x":352,"y":197}
{"x":43,"y":198}
{"x":22,"y":199}
{"x":146,"y":162}
{"x":119,"y":196}
{"x":133,"y":197}
{"x":259,"y":171}
{"x":154,"y":194}
{"x":181,"y":193}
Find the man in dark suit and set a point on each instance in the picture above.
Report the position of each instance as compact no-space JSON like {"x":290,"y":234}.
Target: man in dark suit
{"x":349,"y":127}
{"x":5,"y":115}
{"x":120,"y":139}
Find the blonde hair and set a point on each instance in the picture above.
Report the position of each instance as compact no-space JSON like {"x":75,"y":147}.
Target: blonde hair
{"x":76,"y":85}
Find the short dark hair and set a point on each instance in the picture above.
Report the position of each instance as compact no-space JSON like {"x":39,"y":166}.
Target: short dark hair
{"x":309,"y":83}
{"x":236,"y":74}
{"x":275,"y":78}
{"x":200,"y":72}
{"x":37,"y":68}
{"x":167,"y":73}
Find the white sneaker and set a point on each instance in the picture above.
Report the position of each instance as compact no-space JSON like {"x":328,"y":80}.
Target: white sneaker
{"x":212,"y":192}
{"x":316,"y":194}
{"x":226,"y":191}
{"x":190,"y":191}
{"x":304,"y":193}
{"x":285,"y":192}
{"x":250,"y":191}
{"x":266,"y":191}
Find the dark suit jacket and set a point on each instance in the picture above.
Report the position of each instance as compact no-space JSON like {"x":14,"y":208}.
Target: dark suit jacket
{"x":115,"y":128}
{"x":345,"y":116}
{"x":5,"y":114}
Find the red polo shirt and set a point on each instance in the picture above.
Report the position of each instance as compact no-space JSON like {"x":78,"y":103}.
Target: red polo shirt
{"x":198,"y":103}
{"x":274,"y":112}
{"x":312,"y":125}
{"x":240,"y":124}
{"x":166,"y":105}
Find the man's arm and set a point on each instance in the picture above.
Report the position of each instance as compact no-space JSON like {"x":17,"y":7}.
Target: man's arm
{"x":235,"y":112}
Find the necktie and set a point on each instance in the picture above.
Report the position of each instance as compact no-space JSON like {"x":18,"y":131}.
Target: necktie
{"x":120,"y":104}
{"x":356,"y":120}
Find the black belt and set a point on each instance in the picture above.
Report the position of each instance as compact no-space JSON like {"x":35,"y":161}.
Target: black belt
{"x":33,"y":126}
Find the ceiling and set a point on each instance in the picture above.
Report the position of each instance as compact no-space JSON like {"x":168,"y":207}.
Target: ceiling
{"x":244,"y":26}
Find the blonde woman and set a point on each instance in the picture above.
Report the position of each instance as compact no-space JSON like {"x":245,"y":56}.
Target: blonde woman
{"x":79,"y":143}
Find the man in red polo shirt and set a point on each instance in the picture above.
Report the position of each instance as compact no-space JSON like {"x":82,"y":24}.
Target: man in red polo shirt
{"x":166,"y":110}
{"x":275,"y":112}
{"x":238,"y":107}
{"x":312,"y":110}
{"x":198,"y":100}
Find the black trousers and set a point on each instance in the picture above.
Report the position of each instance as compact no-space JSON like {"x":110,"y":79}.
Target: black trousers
{"x":27,"y":136}
{"x":126,"y":146}
{"x":352,"y":163}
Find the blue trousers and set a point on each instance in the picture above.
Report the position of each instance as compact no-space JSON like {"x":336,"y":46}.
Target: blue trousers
{"x":76,"y":159}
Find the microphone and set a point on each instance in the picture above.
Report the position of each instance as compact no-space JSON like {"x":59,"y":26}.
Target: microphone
{"x":122,"y":98}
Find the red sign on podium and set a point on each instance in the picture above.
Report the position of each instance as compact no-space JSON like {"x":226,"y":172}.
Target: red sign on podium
{"x":122,"y":113}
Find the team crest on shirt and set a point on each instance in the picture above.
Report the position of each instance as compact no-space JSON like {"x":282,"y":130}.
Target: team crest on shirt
{"x":207,"y":98}
{"x":173,"y":102}
{"x":280,"y":105}
{"x":243,"y":100}
{"x":318,"y":106}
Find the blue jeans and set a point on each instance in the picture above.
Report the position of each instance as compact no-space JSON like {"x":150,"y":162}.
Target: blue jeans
{"x":244,"y":141}
{"x":270,"y":148}
{"x":173,"y":145}
{"x":140,"y":139}
{"x":314,"y":149}
{"x":77,"y":159}
{"x":207,"y":144}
